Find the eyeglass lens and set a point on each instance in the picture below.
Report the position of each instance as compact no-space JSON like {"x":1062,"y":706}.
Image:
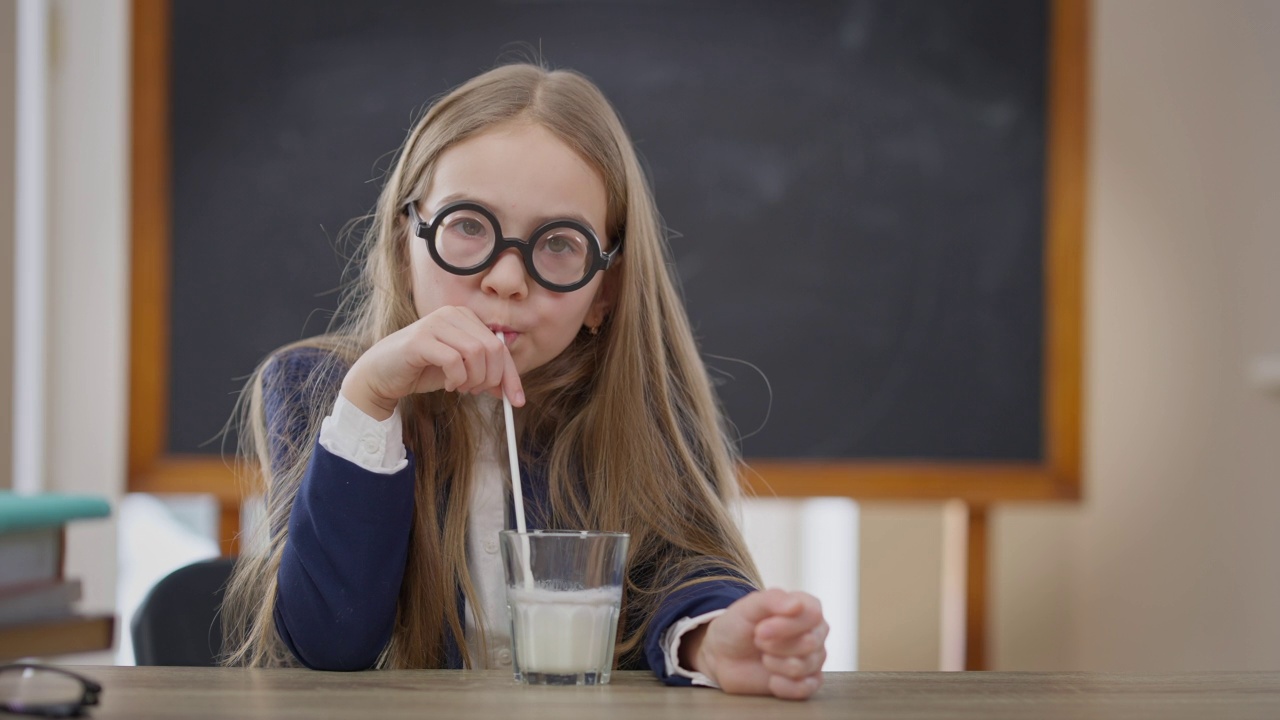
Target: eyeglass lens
{"x":561,"y":256}
{"x":24,"y":687}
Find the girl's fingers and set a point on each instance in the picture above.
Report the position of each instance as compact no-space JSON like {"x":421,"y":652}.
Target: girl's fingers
{"x":789,"y":689}
{"x":496,"y":362}
{"x":470,"y":350}
{"x":449,"y":349}
{"x":447,"y":359}
{"x":803,"y":644}
{"x":484,"y":359}
{"x":800,"y":612}
{"x":762,"y":604}
{"x":494,"y":348}
{"x":777,"y":633}
{"x":795,"y":667}
{"x":483,"y":352}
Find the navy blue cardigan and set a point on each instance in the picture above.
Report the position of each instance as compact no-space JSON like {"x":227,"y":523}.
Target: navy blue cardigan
{"x":343,"y":562}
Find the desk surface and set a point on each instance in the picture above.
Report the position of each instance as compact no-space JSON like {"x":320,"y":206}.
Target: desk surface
{"x":209,"y":693}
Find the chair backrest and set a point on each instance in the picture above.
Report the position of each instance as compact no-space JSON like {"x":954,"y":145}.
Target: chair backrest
{"x":178,"y":623}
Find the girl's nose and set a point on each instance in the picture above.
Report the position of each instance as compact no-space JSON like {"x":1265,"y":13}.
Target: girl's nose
{"x":506,"y":278}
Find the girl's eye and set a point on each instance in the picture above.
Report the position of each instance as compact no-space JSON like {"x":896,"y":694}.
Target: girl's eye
{"x":474,"y":228}
{"x":560,"y":244}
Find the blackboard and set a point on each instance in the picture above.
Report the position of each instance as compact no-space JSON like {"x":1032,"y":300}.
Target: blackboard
{"x":855,"y":190}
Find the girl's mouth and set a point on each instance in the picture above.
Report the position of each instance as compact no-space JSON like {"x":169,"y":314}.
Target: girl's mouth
{"x":508,"y":335}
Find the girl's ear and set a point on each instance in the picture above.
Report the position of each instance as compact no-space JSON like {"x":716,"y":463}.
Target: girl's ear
{"x":602,"y":305}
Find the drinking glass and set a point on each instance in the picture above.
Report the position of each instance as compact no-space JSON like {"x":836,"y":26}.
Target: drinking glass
{"x":564,"y":593}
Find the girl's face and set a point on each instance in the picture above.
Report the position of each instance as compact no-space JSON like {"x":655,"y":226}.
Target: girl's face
{"x":526,"y":176}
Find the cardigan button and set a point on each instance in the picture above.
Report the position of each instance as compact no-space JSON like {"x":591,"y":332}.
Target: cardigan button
{"x":504,"y":656}
{"x":491,"y":546}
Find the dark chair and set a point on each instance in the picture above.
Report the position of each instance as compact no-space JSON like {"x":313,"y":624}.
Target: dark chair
{"x":178,"y":622}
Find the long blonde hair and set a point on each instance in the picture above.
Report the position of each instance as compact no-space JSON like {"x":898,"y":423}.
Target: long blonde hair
{"x":624,"y":422}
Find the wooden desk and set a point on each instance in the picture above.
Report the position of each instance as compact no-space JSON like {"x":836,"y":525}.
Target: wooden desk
{"x":215,"y":693}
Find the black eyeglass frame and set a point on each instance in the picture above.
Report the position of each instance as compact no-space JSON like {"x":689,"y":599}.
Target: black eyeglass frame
{"x":600,"y":260}
{"x":89,"y":693}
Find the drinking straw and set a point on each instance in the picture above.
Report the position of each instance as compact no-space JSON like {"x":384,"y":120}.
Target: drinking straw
{"x":517,"y":495}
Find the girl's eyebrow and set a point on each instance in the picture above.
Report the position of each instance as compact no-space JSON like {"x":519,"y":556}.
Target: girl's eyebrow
{"x":538,"y":222}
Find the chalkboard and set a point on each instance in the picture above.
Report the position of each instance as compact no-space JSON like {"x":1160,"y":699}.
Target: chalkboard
{"x":855,"y":192}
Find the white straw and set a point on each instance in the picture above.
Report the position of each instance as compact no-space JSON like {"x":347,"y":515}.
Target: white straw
{"x":517,"y":494}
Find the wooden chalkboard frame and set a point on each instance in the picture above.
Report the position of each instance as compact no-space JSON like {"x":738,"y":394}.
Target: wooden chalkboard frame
{"x":151,"y":468}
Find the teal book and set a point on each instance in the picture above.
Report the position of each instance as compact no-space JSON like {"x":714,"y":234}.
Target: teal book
{"x":31,"y":512}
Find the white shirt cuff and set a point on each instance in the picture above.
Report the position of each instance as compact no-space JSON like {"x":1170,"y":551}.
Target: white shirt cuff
{"x":376,"y":446}
{"x":671,"y":647}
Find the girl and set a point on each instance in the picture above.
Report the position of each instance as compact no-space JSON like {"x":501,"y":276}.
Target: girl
{"x":514,"y":249}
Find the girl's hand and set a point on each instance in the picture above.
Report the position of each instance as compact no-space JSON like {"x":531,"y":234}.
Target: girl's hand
{"x":450,"y":349}
{"x":767,"y":643}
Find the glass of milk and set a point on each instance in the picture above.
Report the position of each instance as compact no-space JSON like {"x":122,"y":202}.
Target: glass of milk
{"x":564,"y":592}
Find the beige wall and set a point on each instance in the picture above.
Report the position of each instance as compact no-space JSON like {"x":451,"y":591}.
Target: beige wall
{"x":1173,"y":556}
{"x":8,"y":17}
{"x":1172,"y":562}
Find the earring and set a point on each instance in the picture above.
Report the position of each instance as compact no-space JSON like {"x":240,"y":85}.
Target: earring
{"x":593,"y":329}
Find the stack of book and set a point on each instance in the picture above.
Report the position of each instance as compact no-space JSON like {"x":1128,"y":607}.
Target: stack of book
{"x":37,"y":603}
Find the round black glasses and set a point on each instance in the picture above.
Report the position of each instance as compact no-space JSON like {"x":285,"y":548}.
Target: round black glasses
{"x":465,"y":238}
{"x":44,"y":690}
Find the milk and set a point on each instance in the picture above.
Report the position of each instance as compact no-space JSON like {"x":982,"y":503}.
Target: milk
{"x":564,"y":589}
{"x":564,"y":636}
